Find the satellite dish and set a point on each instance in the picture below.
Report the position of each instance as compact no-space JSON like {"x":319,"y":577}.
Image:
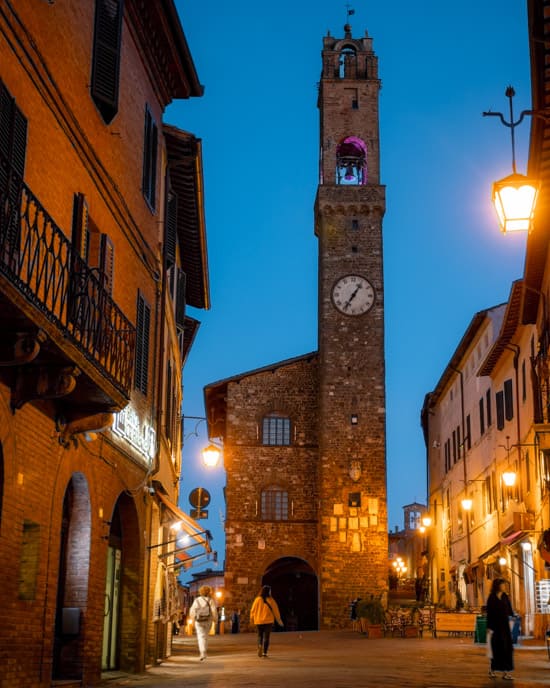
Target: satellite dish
{"x":199,"y":498}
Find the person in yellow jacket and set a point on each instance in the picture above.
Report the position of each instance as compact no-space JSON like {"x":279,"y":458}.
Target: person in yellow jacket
{"x":263,"y":614}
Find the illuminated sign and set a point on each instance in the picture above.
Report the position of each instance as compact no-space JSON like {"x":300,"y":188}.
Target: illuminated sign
{"x":140,"y":435}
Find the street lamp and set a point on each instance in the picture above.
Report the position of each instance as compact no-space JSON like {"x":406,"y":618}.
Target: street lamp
{"x":210,"y":454}
{"x":515,"y":196}
{"x":509,"y":478}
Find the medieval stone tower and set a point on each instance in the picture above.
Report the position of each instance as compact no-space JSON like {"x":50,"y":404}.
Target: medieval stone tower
{"x":348,"y":220}
{"x":304,"y":439}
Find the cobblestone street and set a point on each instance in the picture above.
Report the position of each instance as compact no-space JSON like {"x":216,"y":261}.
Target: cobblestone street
{"x":337,"y":660}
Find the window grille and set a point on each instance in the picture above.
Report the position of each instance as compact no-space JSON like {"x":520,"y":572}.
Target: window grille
{"x":274,"y":504}
{"x":276,"y":430}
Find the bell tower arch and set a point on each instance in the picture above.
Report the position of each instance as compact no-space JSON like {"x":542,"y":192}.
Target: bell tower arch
{"x":350,"y":204}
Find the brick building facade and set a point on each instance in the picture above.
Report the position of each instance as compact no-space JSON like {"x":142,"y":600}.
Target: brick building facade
{"x":97,"y":201}
{"x":304,"y":439}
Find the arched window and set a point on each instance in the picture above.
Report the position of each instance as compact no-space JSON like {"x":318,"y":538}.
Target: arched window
{"x":348,"y":58}
{"x":351,"y":162}
{"x":274,"y":504}
{"x":275,"y":429}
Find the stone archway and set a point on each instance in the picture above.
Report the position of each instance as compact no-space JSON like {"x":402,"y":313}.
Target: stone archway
{"x":72,"y":583}
{"x":294,"y":586}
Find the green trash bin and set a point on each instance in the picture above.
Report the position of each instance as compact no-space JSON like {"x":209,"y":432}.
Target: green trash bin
{"x":480,"y":635}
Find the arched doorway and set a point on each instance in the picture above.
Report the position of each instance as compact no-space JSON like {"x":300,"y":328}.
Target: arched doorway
{"x":294,"y":586}
{"x":72,"y":581}
{"x":121,"y":621}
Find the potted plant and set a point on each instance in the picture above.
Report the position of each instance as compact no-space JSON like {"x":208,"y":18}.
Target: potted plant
{"x":371,"y":616}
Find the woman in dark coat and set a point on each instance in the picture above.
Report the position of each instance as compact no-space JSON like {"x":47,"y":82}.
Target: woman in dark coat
{"x":499,"y":611}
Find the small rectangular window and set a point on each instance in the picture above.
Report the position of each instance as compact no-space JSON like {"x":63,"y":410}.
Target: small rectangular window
{"x":355,"y":224}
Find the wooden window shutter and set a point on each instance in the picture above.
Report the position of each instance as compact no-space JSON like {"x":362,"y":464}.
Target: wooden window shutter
{"x":107,"y":262}
{"x":500,"y":410}
{"x":481,"y":417}
{"x":106,"y":57}
{"x":143,"y":323}
{"x":508,"y":400}
{"x":170,"y":228}
{"x":180,"y":299}
{"x":13,"y":147}
{"x":13,"y":137}
{"x":150,"y":143}
{"x":80,"y":230}
{"x":168,"y":401}
{"x":101,"y":256}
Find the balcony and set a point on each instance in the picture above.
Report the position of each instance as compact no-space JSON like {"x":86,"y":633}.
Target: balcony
{"x":65,"y":345}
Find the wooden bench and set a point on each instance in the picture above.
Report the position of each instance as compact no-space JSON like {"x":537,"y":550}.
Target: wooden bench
{"x":455,"y":623}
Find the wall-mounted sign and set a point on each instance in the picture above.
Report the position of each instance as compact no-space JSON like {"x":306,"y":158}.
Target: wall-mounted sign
{"x":140,"y":435}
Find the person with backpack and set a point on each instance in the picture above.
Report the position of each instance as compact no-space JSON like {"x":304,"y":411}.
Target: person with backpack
{"x":203,"y":612}
{"x":263,"y":614}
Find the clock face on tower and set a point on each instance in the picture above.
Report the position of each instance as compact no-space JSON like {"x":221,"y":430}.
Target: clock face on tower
{"x":353,"y":295}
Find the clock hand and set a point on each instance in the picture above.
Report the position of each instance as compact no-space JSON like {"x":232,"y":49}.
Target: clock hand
{"x":348,"y":302}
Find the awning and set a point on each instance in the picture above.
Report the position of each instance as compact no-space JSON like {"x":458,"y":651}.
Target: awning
{"x":509,"y":539}
{"x":198,"y":535}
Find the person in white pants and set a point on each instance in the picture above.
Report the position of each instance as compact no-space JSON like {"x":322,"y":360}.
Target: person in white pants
{"x":203,"y":612}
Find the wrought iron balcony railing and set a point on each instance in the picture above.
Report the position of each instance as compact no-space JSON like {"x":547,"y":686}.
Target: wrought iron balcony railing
{"x":38,"y":259}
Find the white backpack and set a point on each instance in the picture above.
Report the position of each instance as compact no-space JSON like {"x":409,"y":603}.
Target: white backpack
{"x":203,"y":613}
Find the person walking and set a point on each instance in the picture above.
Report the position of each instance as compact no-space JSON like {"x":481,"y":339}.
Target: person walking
{"x":263,"y":614}
{"x":499,"y":611}
{"x":203,"y":612}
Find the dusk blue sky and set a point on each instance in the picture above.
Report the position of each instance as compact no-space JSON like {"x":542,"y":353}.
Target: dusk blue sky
{"x":441,"y":65}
